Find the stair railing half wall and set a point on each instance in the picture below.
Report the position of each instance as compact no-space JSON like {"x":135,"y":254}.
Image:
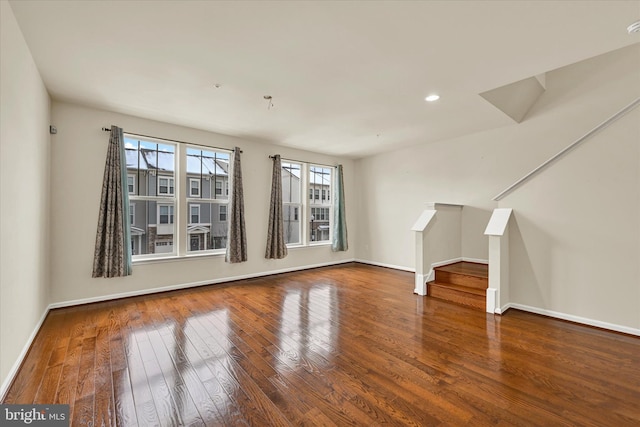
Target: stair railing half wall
{"x":498,"y":232}
{"x":580,"y":140}
{"x":438,"y":241}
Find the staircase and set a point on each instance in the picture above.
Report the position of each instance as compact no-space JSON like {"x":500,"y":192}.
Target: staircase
{"x":464,"y":283}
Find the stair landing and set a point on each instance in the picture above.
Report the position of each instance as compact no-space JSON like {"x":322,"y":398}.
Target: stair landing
{"x":462,"y":282}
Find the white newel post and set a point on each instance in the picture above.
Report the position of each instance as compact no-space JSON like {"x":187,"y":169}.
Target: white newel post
{"x":421,"y":251}
{"x":498,"y":232}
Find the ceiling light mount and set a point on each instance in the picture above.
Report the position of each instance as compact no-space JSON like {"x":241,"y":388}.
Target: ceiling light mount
{"x":431,"y":98}
{"x":270,"y":99}
{"x":634,"y":28}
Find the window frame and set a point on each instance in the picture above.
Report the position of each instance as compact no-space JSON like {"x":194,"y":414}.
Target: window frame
{"x":171,"y":214}
{"x":133,"y":192}
{"x":309,"y":205}
{"x":145,"y":170}
{"x":293,"y":206}
{"x":191,"y":188}
{"x":191,"y":207}
{"x":171,"y":185}
{"x":326,"y":206}
{"x":173,"y":195}
{"x":213,"y":199}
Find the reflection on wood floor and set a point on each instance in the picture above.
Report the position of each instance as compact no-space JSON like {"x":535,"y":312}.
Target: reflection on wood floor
{"x":344,"y":345}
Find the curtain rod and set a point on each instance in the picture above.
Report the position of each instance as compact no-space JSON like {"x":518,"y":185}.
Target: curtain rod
{"x":171,"y":140}
{"x":305,"y":161}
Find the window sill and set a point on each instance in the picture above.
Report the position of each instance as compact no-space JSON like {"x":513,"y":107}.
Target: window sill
{"x":174,"y":258}
{"x":310,"y":245}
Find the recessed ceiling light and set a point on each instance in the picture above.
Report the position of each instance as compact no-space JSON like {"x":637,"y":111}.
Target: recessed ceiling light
{"x":634,"y":28}
{"x":432,"y":98}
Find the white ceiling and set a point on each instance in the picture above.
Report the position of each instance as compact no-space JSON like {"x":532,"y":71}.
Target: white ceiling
{"x":347,"y":78}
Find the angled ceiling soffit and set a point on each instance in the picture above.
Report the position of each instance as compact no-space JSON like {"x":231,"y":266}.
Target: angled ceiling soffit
{"x":516,"y":99}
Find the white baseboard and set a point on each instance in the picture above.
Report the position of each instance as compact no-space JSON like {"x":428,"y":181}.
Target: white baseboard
{"x":14,"y":369}
{"x":571,"y":318}
{"x":446,"y":262}
{"x":382,"y":264}
{"x":191,"y":284}
{"x":476,"y":260}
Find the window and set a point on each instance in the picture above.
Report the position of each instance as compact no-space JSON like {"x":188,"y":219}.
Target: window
{"x":165,"y":185}
{"x":306,"y":222}
{"x":165,"y":214}
{"x":194,"y":187}
{"x":194,"y":214}
{"x":154,"y":187}
{"x":291,"y":200}
{"x":207,"y":228}
{"x":131,"y":183}
{"x":150,"y":182}
{"x":320,"y":214}
{"x":320,"y":180}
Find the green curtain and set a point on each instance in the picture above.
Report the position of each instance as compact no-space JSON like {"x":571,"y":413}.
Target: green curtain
{"x":112,"y":253}
{"x":339,"y":242}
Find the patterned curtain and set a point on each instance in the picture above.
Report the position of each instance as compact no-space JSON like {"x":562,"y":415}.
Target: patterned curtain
{"x":339,"y":242}
{"x":276,"y":246}
{"x":112,"y":255}
{"x":237,"y":242}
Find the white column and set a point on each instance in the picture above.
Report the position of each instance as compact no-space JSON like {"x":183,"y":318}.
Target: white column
{"x":498,"y":232}
{"x":421,"y":274}
{"x":422,"y":263}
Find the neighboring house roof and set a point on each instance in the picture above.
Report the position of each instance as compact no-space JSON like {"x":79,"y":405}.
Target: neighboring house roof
{"x":317,"y":178}
{"x":198,"y":229}
{"x":137,"y":231}
{"x":146,"y":159}
{"x":206,"y":165}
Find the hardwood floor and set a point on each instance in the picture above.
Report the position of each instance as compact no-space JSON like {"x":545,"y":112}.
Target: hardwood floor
{"x":345,"y":345}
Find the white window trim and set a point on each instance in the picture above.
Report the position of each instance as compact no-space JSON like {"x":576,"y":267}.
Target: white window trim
{"x":308,"y":202}
{"x":191,"y":214}
{"x":135,"y":187}
{"x":226,"y":212}
{"x":169,"y":216}
{"x":171,"y":183}
{"x":320,"y":203}
{"x":132,"y":214}
{"x":179,"y":199}
{"x":197,"y":181}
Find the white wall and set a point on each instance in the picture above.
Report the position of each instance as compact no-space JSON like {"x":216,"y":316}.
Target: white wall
{"x":576,"y":226}
{"x":24,"y":193}
{"x":76,"y":178}
{"x":575,"y":238}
